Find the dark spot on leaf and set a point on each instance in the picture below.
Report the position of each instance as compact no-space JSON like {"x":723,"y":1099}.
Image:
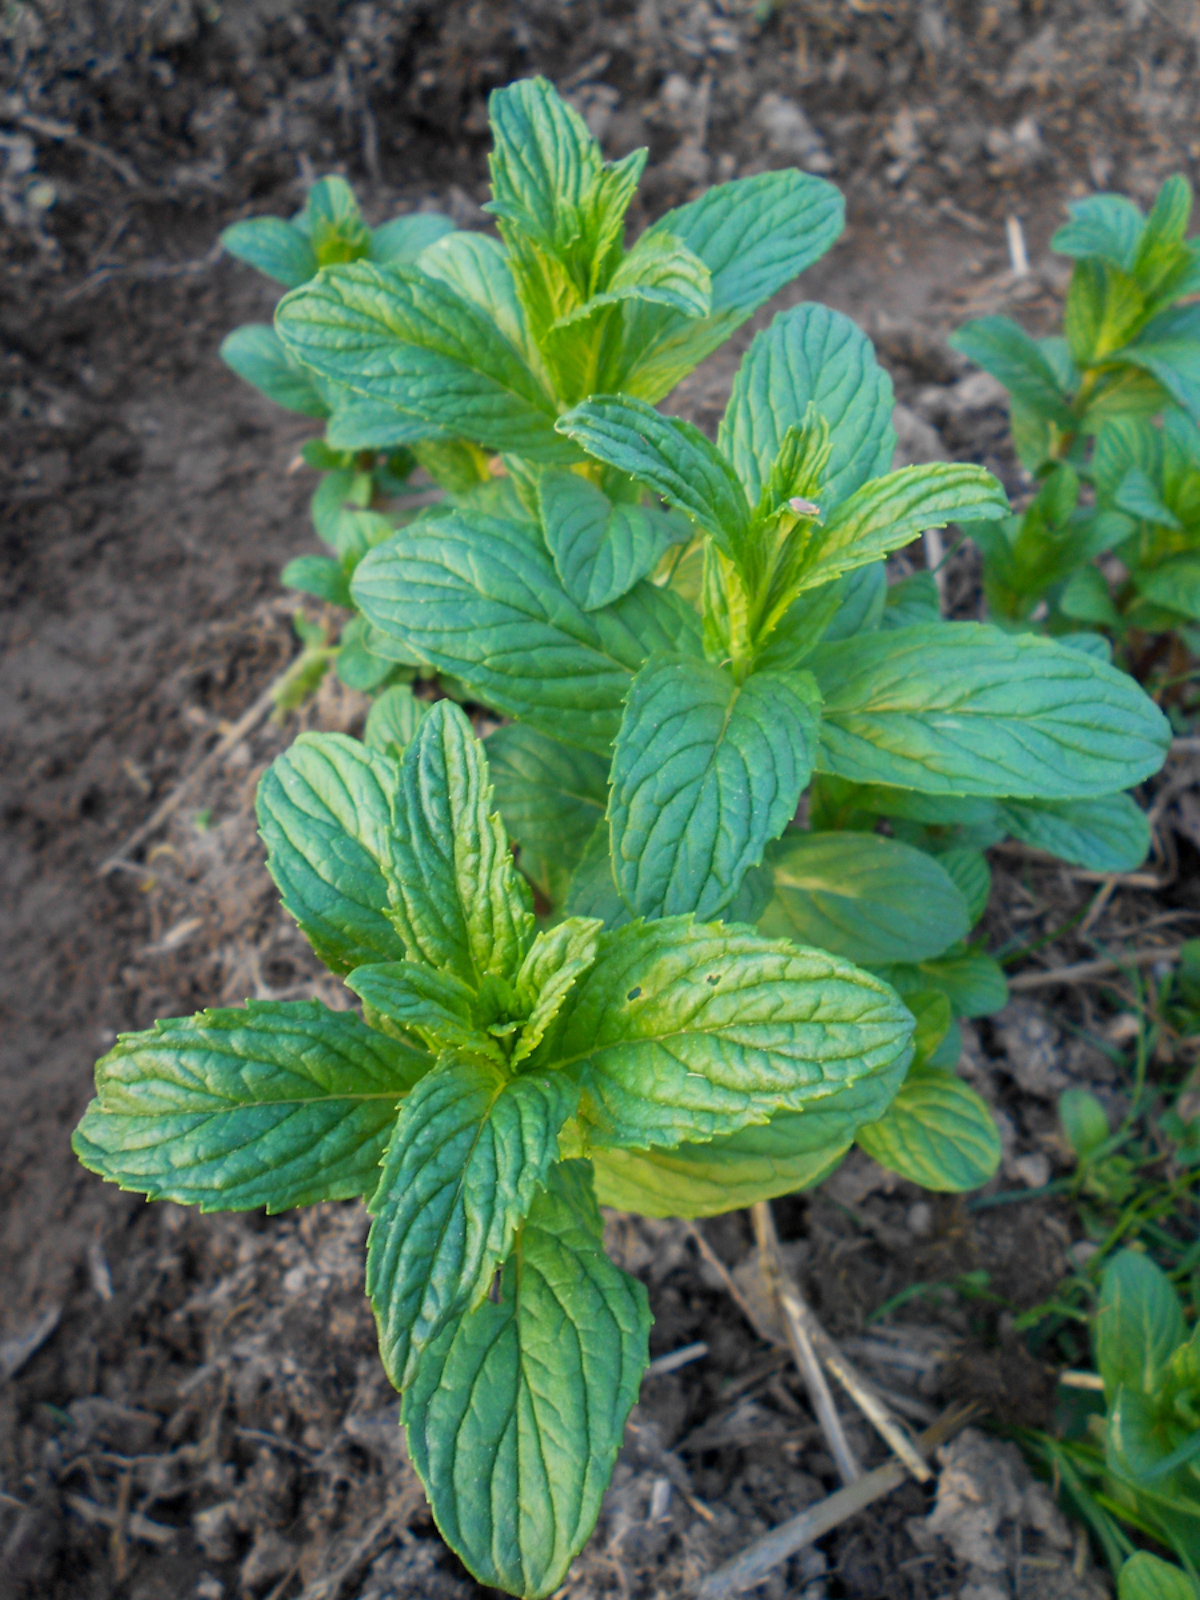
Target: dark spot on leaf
{"x":633,"y":994}
{"x":713,"y":977}
{"x":494,"y":1288}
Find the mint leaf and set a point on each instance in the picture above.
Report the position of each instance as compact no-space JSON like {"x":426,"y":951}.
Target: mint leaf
{"x":274,"y":247}
{"x":705,"y":772}
{"x":661,"y":268}
{"x":478,"y":598}
{"x":397,"y":335}
{"x":318,"y":575}
{"x":358,"y":424}
{"x":912,"y":601}
{"x":470,"y":1150}
{"x":810,"y":354}
{"x":864,"y":897}
{"x":543,"y":163}
{"x":793,"y":1151}
{"x":257,"y":354}
{"x":601,"y":550}
{"x":592,"y":890}
{"x":557,"y":957}
{"x":550,"y":797}
{"x":276,"y":1105}
{"x":478,"y":269}
{"x":754,"y":235}
{"x":456,"y":897}
{"x":892,"y":511}
{"x":668,"y":455}
{"x":968,"y":866}
{"x":1001,"y":347}
{"x":690,"y":1031}
{"x":1107,"y":226}
{"x":964,"y":708}
{"x":325,"y":814}
{"x":403,"y":239}
{"x":436,"y":1006}
{"x":1111,"y":834}
{"x":1147,"y":1577}
{"x":1138,"y":1324}
{"x":1168,"y":348}
{"x":393,"y":720}
{"x":972,"y":982}
{"x":517,"y":1411}
{"x":937,"y":1132}
{"x":333,"y":222}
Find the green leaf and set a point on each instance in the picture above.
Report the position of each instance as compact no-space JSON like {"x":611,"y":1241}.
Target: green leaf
{"x":276,"y":1105}
{"x":691,"y":1031}
{"x":592,"y":889}
{"x":1001,"y":347}
{"x":472,"y":1147}
{"x":1086,"y":598}
{"x":543,"y":162}
{"x":705,"y":772}
{"x":1111,"y":834}
{"x":668,"y":455}
{"x":402,"y":240}
{"x":1162,"y":250}
{"x":358,"y":424}
{"x":517,"y":1411}
{"x":601,"y":550}
{"x":1140,"y":498}
{"x":1168,"y":348}
{"x":892,"y":511}
{"x":862,"y":896}
{"x":964,"y":708}
{"x":1146,"y":1577}
{"x":810,"y":353}
{"x":1084,"y":1122}
{"x":551,"y":798}
{"x":1107,"y":226}
{"x":257,"y":354}
{"x":1104,"y":308}
{"x":435,"y":1006}
{"x":1174,"y":585}
{"x":319,"y":575}
{"x":661,"y":268}
{"x":334,"y":223}
{"x":754,"y":235}
{"x":913,"y":601}
{"x":397,"y":335}
{"x":557,"y":957}
{"x":393,"y":720}
{"x":274,"y":247}
{"x":969,"y":868}
{"x":325,"y":814}
{"x":478,"y":598}
{"x":477,"y":268}
{"x":456,"y":896}
{"x":1138,"y":1324}
{"x":970,"y":979}
{"x":937,"y":1132}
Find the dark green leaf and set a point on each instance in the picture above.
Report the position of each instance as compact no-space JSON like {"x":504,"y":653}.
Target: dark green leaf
{"x":705,"y":772}
{"x":1168,"y":348}
{"x":937,"y":1132}
{"x":1110,"y":834}
{"x":1084,"y":1122}
{"x":601,"y":550}
{"x":517,"y":1412}
{"x":318,"y":575}
{"x":276,"y":1105}
{"x":912,"y":602}
{"x":550,"y":797}
{"x":472,"y":1147}
{"x":691,"y":1031}
{"x":1146,"y":1577}
{"x":393,"y":720}
{"x":810,"y":354}
{"x":1001,"y":347}
{"x":1104,"y":225}
{"x":964,"y":708}
{"x":325,"y":813}
{"x":862,"y":896}
{"x":402,"y":240}
{"x":275,"y":247}
{"x":973,"y":983}
{"x":257,"y":354}
{"x":1139,"y":1322}
{"x":478,"y":598}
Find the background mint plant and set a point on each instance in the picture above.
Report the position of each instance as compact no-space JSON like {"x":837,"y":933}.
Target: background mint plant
{"x":751,"y":785}
{"x":1104,"y":416}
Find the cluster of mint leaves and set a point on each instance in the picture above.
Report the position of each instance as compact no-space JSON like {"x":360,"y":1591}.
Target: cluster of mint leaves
{"x":695,"y":644}
{"x":1105,"y":419}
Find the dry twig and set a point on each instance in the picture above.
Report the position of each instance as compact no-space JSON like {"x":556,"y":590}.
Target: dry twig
{"x":765,"y":1554}
{"x":1085,"y":971}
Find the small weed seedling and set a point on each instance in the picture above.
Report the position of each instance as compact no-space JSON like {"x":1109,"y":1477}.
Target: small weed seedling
{"x":1105,"y":417}
{"x":695,"y":644}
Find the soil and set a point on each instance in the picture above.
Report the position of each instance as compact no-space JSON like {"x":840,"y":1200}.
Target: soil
{"x":193,"y":1406}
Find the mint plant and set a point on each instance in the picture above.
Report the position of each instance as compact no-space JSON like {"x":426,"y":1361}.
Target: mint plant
{"x":750,"y":787}
{"x":1104,"y":417}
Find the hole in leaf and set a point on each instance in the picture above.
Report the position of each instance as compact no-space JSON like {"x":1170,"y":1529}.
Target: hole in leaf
{"x":494,"y":1288}
{"x":633,"y":994}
